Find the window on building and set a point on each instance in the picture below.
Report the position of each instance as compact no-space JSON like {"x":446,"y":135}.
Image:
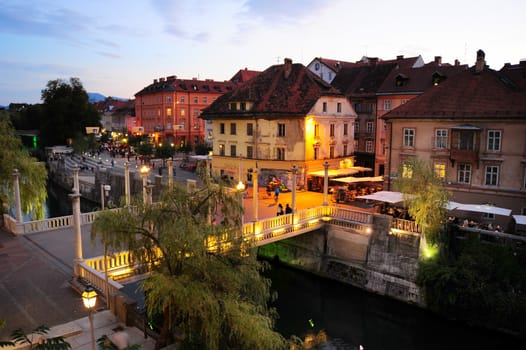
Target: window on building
{"x":441,"y":136}
{"x":387,"y":105}
{"x":168,"y":99}
{"x":494,"y":140}
{"x":182,"y":99}
{"x":464,"y":173}
{"x":440,"y":170}
{"x":324,"y":107}
{"x":196,"y":140}
{"x":169,"y":112}
{"x":196,"y":112}
{"x":316,"y":130}
{"x":233,"y":151}
{"x":345,"y":129}
{"x":331,"y":152}
{"x":356,"y":127}
{"x":370,"y":127}
{"x":344,"y":150}
{"x":409,"y":137}
{"x":407,"y":171}
{"x":196,"y":99}
{"x":332,"y":130}
{"x":250,"y":152}
{"x":221,"y":150}
{"x":281,"y":130}
{"x":183,"y":112}
{"x":205,"y":100}
{"x":250,"y":129}
{"x":221,"y":128}
{"x":243,"y":106}
{"x":355,"y":144}
{"x":280,"y":153}
{"x":316,"y":152}
{"x":339,"y":107}
{"x":492,"y":175}
{"x":232,"y":128}
{"x":369,"y":146}
{"x":232,"y":106}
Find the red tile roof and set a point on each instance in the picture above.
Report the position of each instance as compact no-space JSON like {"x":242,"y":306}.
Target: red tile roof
{"x":172,"y":84}
{"x":469,"y":95}
{"x":244,"y":75}
{"x":285,"y":89}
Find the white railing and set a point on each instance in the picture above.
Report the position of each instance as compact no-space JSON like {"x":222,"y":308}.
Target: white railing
{"x":97,"y":278}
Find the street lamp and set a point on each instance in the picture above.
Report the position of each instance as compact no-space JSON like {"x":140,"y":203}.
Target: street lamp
{"x":104,"y":192}
{"x":294,"y":172}
{"x":89,"y":298}
{"x":144,"y":174}
{"x":326,"y":184}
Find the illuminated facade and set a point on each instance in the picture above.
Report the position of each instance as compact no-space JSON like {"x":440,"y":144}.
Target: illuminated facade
{"x":284,"y":116}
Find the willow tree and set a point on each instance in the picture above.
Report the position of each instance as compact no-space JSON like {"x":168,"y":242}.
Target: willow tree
{"x":426,"y":198}
{"x":209,"y":298}
{"x":32,"y":174}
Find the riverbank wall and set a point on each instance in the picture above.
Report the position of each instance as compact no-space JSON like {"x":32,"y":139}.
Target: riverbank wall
{"x":377,"y":261}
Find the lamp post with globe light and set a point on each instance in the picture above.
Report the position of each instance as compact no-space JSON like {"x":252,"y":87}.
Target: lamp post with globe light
{"x":89,"y":298}
{"x":144,"y":175}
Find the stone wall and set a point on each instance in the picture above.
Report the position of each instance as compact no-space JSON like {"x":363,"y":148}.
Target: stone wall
{"x":379,"y":261}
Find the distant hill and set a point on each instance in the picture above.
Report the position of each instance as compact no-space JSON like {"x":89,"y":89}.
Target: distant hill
{"x":95,"y":97}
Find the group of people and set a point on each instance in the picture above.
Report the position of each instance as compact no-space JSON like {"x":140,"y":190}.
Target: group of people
{"x":288,"y":209}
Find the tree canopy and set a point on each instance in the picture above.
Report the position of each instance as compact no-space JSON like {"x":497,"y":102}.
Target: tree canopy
{"x":425,"y":195}
{"x":32,"y":174}
{"x":208,"y":299}
{"x":66,"y":112}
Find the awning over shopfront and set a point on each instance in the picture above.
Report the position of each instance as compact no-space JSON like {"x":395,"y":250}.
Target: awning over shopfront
{"x":351,"y":179}
{"x":340,"y":172}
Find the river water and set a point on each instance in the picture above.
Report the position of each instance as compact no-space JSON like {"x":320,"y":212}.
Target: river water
{"x":312,"y":307}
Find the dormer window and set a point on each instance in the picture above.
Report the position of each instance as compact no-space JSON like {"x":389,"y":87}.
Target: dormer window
{"x":232,"y":106}
{"x":437,"y":78}
{"x":401,"y":80}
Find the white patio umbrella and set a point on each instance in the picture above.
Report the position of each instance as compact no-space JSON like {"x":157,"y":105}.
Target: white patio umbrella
{"x":484,"y":208}
{"x":384,"y":196}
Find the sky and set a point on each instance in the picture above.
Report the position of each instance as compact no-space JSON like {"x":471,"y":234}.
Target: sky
{"x":117,"y":47}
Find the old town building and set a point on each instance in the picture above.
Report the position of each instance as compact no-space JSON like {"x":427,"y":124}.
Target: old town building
{"x":283,"y":117}
{"x":169,"y":108}
{"x":472,"y":127}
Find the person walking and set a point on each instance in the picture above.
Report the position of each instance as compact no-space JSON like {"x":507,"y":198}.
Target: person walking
{"x":276,"y":194}
{"x":280,"y":210}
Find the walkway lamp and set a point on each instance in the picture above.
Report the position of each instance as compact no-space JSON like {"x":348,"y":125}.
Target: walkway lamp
{"x":294,"y":172}
{"x":89,"y":298}
{"x":240,"y":187}
{"x":326,"y":184}
{"x":144,"y":175}
{"x":104,"y":192}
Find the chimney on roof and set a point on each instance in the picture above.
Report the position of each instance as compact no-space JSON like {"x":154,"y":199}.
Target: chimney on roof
{"x":457,"y":62}
{"x":400,"y":57}
{"x":287,"y":68}
{"x":155,"y":81}
{"x":481,"y":62}
{"x":438,"y":60}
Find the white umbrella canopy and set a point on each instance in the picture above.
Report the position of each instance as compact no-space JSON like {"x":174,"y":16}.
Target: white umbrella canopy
{"x":483,"y":208}
{"x":520,"y":219}
{"x":384,"y":196}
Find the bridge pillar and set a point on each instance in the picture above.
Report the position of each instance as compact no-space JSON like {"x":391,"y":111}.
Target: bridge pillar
{"x":75,"y":199}
{"x":16,"y":190}
{"x":255,"y":193}
{"x":326,"y":184}
{"x":127,"y":191}
{"x":170,"y":173}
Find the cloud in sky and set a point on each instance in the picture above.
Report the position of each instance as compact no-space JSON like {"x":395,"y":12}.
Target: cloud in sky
{"x":117,"y":47}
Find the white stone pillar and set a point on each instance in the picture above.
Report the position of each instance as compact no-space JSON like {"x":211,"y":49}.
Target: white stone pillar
{"x":170,"y":174}
{"x":76,"y":186}
{"x":16,"y":190}
{"x":255,"y":194}
{"x":75,"y":199}
{"x":127,"y":192}
{"x":294,"y":173}
{"x":326,"y":184}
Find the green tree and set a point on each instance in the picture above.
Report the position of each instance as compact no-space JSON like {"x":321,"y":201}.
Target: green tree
{"x":145,"y":149}
{"x":208,"y":299}
{"x":202,"y":148}
{"x":426,"y":199}
{"x":38,"y":340}
{"x":164,"y":151}
{"x":32,"y":178}
{"x":67,"y":112}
